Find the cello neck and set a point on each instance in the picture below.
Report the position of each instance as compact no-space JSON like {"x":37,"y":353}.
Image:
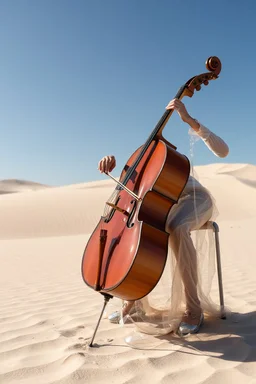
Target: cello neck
{"x":213,"y":65}
{"x":158,"y":130}
{"x":156,"y":134}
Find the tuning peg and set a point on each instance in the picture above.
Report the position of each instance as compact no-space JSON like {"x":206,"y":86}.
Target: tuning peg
{"x":206,"y":82}
{"x":198,"y":87}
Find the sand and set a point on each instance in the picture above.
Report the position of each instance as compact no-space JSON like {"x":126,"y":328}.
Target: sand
{"x":48,"y":314}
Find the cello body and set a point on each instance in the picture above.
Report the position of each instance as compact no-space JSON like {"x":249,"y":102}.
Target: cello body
{"x":137,"y":245}
{"x":127,"y":252}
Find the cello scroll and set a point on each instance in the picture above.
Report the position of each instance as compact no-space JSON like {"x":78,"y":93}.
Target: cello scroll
{"x":213,"y":64}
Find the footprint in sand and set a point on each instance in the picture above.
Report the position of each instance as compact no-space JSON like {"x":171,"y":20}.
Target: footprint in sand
{"x":71,"y":332}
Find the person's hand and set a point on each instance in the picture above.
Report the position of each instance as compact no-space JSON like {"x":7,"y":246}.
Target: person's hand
{"x":178,"y":106}
{"x":107,"y":164}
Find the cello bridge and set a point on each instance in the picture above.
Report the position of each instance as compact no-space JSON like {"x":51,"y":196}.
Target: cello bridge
{"x":118,"y":208}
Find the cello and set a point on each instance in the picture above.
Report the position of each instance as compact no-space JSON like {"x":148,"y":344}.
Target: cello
{"x":126,"y":254}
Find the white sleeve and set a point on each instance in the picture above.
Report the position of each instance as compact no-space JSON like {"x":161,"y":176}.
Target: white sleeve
{"x":213,"y":142}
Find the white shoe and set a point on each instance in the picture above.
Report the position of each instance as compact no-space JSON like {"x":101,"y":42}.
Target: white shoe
{"x":186,"y":329}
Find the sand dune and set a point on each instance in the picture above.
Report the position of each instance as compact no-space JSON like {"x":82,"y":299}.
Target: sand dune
{"x":48,"y":314}
{"x":60,"y":211}
{"x":246,"y":174}
{"x":14,"y":186}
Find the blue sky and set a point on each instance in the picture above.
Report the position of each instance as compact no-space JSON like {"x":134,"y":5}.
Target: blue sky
{"x":81,"y":79}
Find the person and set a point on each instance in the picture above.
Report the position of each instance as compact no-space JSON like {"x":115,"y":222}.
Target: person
{"x":194,"y":208}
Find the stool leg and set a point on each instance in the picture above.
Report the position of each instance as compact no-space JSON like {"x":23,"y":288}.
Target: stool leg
{"x":217,"y":245}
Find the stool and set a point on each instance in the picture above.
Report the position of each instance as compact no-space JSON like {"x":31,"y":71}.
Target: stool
{"x":214,"y":226}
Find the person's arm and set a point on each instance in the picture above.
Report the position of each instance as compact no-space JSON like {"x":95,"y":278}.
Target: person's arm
{"x":213,"y":142}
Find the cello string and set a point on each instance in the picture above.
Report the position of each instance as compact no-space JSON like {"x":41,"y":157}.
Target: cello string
{"x":152,"y":136}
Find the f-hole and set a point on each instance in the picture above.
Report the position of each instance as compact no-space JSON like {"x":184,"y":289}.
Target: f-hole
{"x":130,"y":218}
